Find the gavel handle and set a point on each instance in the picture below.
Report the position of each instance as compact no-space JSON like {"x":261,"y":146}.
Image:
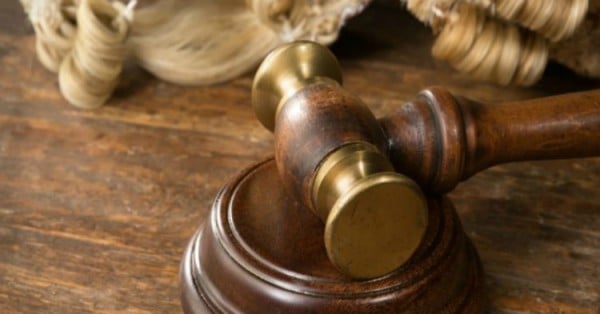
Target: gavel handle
{"x":440,"y":140}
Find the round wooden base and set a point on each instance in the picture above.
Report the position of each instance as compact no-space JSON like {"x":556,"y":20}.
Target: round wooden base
{"x":261,"y":252}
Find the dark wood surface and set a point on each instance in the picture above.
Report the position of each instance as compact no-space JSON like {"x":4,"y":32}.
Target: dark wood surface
{"x":96,"y":207}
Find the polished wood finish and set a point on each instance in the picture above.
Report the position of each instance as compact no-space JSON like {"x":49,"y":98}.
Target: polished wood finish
{"x":96,"y":208}
{"x":261,"y":251}
{"x":314,"y":122}
{"x":439,"y":139}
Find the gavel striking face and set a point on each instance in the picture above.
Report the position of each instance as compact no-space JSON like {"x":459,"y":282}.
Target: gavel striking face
{"x":341,"y":162}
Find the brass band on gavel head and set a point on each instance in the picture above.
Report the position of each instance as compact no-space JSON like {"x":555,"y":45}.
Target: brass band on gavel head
{"x":285,"y":71}
{"x":331,"y":155}
{"x":374,"y":218}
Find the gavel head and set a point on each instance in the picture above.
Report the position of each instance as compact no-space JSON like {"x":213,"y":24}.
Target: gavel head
{"x":331,"y":154}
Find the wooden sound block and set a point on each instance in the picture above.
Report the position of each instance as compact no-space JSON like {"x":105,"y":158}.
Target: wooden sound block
{"x":262,"y":252}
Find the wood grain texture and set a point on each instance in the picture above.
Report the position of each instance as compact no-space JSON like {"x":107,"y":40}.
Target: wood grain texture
{"x":260,"y":251}
{"x":313,"y":123}
{"x":440,"y":139}
{"x":96,"y":207}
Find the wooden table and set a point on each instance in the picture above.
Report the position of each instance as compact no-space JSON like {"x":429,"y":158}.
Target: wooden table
{"x":96,"y":207}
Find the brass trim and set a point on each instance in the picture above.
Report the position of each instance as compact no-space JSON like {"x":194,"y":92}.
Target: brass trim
{"x":287,"y":70}
{"x":341,"y":169}
{"x":374,"y":218}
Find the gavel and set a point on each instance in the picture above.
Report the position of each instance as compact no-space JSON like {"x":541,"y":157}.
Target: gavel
{"x":364,"y":176}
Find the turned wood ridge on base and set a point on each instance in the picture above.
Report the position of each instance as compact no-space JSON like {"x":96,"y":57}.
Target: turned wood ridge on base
{"x":261,"y":249}
{"x":346,"y":166}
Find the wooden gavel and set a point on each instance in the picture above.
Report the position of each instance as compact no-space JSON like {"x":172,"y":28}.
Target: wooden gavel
{"x":362,"y":175}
